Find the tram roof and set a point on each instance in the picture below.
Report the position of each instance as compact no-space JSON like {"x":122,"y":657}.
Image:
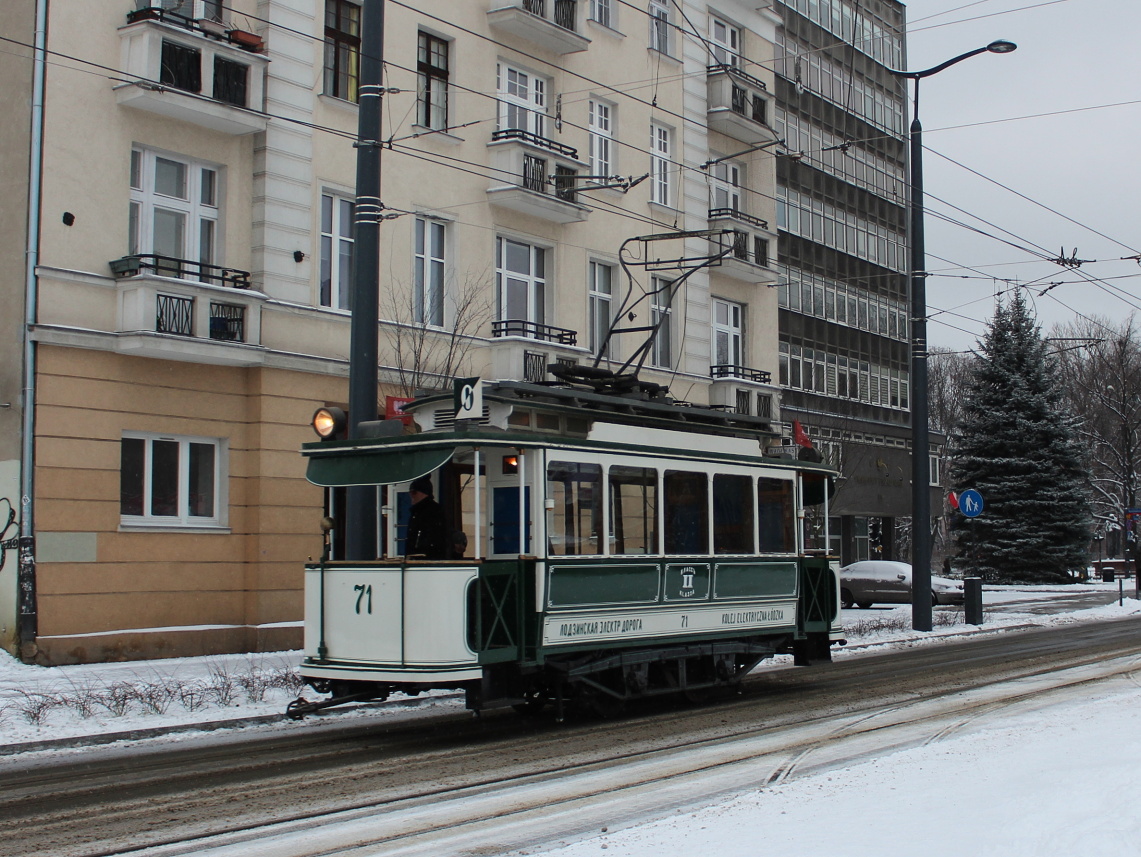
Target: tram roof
{"x":400,"y":458}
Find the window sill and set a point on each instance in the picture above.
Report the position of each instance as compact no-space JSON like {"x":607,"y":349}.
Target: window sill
{"x":202,"y":529}
{"x":598,"y":26}
{"x":422,"y":132}
{"x":669,"y":58}
{"x":339,"y":103}
{"x":658,"y":208}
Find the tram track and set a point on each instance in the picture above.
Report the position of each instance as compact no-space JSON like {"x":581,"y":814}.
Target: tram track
{"x":462,"y":773}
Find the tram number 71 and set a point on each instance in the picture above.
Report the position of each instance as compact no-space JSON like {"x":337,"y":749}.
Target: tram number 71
{"x":364,"y":593}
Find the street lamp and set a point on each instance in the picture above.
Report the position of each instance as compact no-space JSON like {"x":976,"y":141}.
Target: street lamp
{"x":920,"y":452}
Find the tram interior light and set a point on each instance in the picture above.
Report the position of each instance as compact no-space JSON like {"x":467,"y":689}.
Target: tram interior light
{"x":330,"y":423}
{"x":510,"y":464}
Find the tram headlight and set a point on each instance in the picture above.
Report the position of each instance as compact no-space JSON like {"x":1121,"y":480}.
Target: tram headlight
{"x":330,"y":423}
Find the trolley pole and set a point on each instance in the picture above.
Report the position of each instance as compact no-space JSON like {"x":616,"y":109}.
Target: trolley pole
{"x":364,"y":295}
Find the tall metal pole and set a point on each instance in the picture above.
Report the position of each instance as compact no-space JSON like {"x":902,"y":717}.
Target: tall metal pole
{"x":920,"y":446}
{"x":364,"y":297}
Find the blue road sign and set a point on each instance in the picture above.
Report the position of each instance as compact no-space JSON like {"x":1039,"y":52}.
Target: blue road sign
{"x":971,"y":503}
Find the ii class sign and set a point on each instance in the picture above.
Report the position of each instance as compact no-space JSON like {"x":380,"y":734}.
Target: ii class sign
{"x":971,"y":503}
{"x":467,"y":396}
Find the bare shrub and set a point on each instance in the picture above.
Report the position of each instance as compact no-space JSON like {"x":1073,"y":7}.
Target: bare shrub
{"x":35,"y":706}
{"x":117,"y":698}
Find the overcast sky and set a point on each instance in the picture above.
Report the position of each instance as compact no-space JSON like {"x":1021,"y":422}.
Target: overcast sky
{"x":1056,"y":121}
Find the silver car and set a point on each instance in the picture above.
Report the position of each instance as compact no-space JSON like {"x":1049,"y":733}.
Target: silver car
{"x":878,"y":581}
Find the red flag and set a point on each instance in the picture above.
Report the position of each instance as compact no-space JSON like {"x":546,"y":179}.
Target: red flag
{"x":953,"y":499}
{"x":800,"y":436}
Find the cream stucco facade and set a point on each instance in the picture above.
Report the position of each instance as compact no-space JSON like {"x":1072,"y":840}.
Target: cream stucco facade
{"x":192,"y":233}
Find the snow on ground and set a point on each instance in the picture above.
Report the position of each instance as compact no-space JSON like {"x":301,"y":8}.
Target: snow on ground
{"x":1042,"y":782}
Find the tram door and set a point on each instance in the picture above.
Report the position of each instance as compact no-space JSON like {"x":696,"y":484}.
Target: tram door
{"x":503,"y":526}
{"x":505,"y":519}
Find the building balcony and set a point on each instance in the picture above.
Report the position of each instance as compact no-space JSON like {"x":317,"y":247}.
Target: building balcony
{"x":194,"y":71}
{"x":551,"y":24}
{"x":739,"y":105}
{"x":178,"y":309}
{"x":747,"y":244}
{"x":743,"y":390}
{"x":522,"y":350}
{"x":535,"y":176}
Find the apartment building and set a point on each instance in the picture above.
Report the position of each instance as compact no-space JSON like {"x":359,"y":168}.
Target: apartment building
{"x":556,"y":177}
{"x":843,"y":258}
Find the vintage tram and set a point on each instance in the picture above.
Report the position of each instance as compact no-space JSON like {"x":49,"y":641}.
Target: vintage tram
{"x":619,"y":544}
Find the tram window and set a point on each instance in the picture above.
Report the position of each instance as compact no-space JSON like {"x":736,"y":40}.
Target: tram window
{"x":633,"y":510}
{"x":687,"y":512}
{"x":575,"y":524}
{"x":777,"y":514}
{"x":732,"y":514}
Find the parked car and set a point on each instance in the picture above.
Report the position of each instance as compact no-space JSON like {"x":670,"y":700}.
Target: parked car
{"x":879,"y":581}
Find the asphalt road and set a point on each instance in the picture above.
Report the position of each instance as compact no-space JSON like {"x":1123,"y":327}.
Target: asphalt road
{"x":169,"y":799}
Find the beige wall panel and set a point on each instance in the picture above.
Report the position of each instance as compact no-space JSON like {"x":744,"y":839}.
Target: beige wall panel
{"x":85,"y":614}
{"x":139,"y":395}
{"x":101,"y":365}
{"x":288,"y":548}
{"x":77,"y":515}
{"x":79,"y":453}
{"x":76,"y":484}
{"x":279,"y":606}
{"x":177,"y":549}
{"x":137,"y":579}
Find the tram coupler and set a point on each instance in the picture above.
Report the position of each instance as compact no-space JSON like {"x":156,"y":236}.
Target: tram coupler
{"x":301,"y":706}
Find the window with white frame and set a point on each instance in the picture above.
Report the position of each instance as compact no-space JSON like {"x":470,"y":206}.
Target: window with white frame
{"x":429,"y":260}
{"x":336,"y":250}
{"x":432,"y":70}
{"x":661,"y":313}
{"x":725,"y":43}
{"x":601,"y":124}
{"x":520,"y":281}
{"x":728,"y":333}
{"x":725,"y":186}
{"x":175,"y":208}
{"x":660,"y":164}
{"x":660,"y":30}
{"x":602,"y":11}
{"x":170,"y":480}
{"x":522,"y":100}
{"x":601,"y":305}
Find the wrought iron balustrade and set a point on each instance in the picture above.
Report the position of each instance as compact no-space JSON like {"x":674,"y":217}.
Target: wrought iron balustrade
{"x":227,"y":322}
{"x":533,"y":330}
{"x":732,"y":370}
{"x":183,"y":269}
{"x":535,"y":140}
{"x":734,"y":214}
{"x":174,"y":314}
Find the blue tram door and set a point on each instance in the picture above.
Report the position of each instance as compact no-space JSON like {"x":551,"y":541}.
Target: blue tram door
{"x":505,"y":519}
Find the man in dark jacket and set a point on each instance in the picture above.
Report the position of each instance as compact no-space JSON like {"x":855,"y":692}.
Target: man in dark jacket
{"x":427,"y":533}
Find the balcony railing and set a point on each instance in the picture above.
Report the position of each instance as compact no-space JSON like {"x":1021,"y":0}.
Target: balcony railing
{"x":214,"y":29}
{"x":564,"y":11}
{"x":732,"y":370}
{"x":533,"y":330}
{"x":734,"y":214}
{"x":227,"y":322}
{"x":174,"y":314}
{"x":183,"y":269}
{"x":535,"y":140}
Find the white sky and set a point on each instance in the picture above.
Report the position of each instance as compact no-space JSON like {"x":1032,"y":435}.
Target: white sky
{"x":1072,"y":55}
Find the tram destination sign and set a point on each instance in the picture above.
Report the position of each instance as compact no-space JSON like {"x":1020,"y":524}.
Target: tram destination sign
{"x":619,"y":625}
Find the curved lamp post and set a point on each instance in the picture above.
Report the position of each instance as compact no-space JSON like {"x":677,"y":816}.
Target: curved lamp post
{"x":920,"y":452}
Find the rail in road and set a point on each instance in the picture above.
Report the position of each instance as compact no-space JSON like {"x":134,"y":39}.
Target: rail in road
{"x":451,"y":785}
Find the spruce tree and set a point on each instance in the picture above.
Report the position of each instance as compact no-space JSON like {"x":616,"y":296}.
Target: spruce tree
{"x":1018,"y":447}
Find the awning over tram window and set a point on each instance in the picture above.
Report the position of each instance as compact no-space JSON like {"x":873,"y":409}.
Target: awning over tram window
{"x":381,"y":467}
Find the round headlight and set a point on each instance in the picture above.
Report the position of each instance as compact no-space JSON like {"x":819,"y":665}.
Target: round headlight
{"x":328,"y":422}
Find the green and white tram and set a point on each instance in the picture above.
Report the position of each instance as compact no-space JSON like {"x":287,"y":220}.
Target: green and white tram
{"x":618,"y":545}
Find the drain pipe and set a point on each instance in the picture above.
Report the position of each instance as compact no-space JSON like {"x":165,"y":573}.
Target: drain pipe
{"x":26,"y":573}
